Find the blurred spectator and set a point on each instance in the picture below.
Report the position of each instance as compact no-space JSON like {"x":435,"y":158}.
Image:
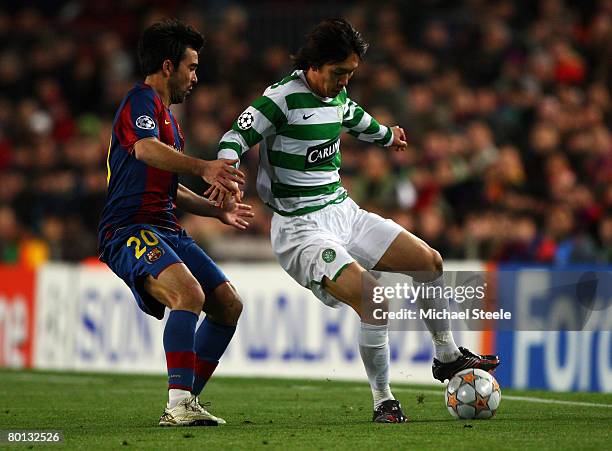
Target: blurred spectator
{"x":605,"y":239}
{"x":9,"y":235}
{"x":374,"y":188}
{"x":571,"y":246}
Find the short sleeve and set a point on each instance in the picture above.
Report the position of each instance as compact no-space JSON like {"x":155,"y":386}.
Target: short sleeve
{"x":138,"y":118}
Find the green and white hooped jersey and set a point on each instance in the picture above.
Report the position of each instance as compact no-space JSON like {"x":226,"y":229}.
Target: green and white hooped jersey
{"x":299,"y":143}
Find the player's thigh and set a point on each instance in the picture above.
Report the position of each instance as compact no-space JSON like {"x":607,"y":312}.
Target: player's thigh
{"x":222,"y":301}
{"x":355,"y":287}
{"x":144,"y":258}
{"x":203,"y":268}
{"x":371,"y":236}
{"x":410,"y":254}
{"x":176,"y":288}
{"x":346,"y":287}
{"x":383,"y":245}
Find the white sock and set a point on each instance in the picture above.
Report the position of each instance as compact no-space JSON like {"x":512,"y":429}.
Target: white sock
{"x":175,"y":396}
{"x":374,"y":350}
{"x":431,"y":296}
{"x":445,"y":348}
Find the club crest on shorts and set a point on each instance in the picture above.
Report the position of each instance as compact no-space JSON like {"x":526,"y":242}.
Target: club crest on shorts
{"x":154,"y":254}
{"x":328,"y":255}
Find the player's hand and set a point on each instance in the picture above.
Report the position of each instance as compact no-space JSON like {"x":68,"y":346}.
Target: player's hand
{"x":219,"y":195}
{"x":399,"y":138}
{"x":235,"y":214}
{"x":223,"y":175}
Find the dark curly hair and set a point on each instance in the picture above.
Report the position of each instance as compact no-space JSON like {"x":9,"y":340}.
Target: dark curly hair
{"x":166,"y":40}
{"x":331,"y":41}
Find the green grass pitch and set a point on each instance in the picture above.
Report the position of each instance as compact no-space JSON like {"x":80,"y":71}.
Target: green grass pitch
{"x":101,"y":411}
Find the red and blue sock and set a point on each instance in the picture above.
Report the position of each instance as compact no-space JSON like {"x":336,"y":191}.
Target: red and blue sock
{"x":211,"y":341}
{"x":179,"y":337}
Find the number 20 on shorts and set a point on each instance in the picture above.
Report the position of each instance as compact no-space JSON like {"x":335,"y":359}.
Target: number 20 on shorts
{"x":149,"y":239}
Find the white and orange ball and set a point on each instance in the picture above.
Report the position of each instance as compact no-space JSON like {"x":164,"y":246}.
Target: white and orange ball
{"x":472,"y":394}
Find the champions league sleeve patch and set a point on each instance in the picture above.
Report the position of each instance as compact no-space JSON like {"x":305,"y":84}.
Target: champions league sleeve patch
{"x":145,"y":122}
{"x":245,"y":120}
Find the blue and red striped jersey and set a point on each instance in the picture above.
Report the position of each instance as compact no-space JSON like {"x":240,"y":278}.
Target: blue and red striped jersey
{"x":138,"y":193}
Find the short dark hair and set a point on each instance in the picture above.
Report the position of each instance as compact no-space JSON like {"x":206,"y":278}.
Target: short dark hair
{"x":331,"y":41}
{"x":166,"y":40}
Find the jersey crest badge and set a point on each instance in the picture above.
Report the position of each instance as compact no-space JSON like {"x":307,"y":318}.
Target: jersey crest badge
{"x":154,"y":254}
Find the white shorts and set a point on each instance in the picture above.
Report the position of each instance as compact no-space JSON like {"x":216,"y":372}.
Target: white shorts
{"x":324,"y":242}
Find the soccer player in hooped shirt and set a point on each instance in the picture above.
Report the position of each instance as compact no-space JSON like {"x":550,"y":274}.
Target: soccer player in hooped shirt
{"x":139,"y":236}
{"x":319,"y":235}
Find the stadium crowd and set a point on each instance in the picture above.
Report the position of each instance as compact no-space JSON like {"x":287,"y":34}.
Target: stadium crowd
{"x":507,"y":106}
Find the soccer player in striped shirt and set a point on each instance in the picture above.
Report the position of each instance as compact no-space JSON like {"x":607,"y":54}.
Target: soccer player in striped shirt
{"x":140,"y":238}
{"x":319,"y":235}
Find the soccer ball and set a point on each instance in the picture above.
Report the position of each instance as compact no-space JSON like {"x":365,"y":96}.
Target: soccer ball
{"x":472,"y":394}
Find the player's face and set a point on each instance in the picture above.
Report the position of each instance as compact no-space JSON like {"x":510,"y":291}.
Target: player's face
{"x":333,"y":77}
{"x":184,"y":78}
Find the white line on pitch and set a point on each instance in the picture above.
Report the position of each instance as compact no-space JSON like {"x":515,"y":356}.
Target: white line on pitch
{"x":516,"y":398}
{"x":556,"y":401}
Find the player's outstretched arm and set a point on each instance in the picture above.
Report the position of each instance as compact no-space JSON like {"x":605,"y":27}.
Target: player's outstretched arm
{"x":161,"y":156}
{"x":231,"y":213}
{"x":364,"y":127}
{"x":260,"y":120}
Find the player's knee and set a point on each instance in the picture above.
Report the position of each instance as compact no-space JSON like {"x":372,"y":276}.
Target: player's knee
{"x":234,"y":310}
{"x":437,"y":262}
{"x":225,"y":305}
{"x":232,"y":306}
{"x":190,"y":297}
{"x":432,"y":264}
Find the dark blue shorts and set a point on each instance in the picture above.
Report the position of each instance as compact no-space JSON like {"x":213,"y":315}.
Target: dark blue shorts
{"x":140,"y":250}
